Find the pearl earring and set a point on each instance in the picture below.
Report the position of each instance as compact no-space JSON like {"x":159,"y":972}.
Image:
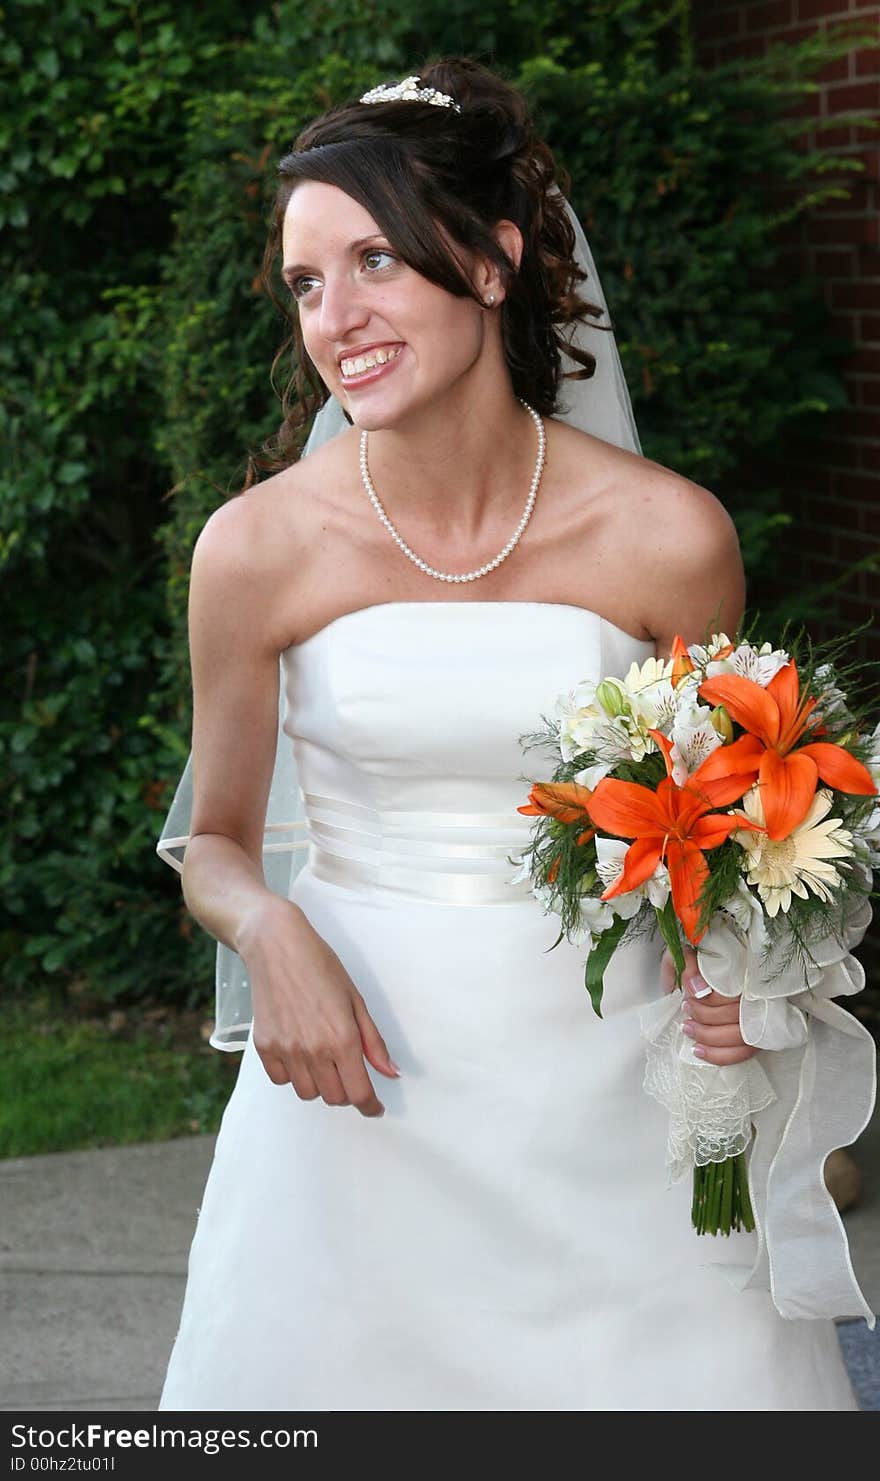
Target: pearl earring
{"x":490,"y":300}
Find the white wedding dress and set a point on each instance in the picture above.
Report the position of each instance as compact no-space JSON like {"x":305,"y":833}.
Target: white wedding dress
{"x":503,"y":1238}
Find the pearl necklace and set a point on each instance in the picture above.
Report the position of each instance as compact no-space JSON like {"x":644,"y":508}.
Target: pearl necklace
{"x":512,"y":542}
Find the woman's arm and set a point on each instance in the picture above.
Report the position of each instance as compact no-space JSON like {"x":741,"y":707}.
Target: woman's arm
{"x":695,"y":586}
{"x":311,"y":1025}
{"x":235,"y":716}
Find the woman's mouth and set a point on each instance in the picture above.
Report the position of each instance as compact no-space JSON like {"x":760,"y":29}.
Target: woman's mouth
{"x":361,"y":370}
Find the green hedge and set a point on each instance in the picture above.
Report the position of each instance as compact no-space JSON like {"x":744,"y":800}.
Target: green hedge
{"x":140,"y":146}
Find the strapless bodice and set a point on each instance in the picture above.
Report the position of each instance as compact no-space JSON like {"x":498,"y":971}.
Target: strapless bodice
{"x":405,"y":719}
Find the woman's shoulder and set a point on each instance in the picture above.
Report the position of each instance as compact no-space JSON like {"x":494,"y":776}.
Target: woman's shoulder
{"x":659,"y":514}
{"x":265,"y":540}
{"x":264,"y":526}
{"x":647,"y":520}
{"x":635,"y":488}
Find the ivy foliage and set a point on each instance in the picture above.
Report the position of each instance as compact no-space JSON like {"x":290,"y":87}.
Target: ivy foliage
{"x":139,"y":141}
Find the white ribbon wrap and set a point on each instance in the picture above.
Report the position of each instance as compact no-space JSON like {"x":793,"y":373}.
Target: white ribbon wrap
{"x":814,"y":1093}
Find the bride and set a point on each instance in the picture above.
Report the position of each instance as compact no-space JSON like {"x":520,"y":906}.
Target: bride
{"x":438,"y":1183}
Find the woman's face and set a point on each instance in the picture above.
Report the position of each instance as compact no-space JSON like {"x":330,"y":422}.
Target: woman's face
{"x":383,"y":339}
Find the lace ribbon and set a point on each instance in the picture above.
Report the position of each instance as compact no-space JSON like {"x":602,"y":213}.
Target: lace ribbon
{"x":814,"y":1093}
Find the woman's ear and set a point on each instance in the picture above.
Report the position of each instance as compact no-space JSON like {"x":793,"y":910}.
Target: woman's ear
{"x":490,"y":279}
{"x":510,"y":239}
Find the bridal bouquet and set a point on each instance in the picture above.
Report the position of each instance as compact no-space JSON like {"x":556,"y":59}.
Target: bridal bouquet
{"x":728,"y":795}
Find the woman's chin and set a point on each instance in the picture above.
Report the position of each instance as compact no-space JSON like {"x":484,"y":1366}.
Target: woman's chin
{"x":382,"y":409}
{"x":377,"y":412}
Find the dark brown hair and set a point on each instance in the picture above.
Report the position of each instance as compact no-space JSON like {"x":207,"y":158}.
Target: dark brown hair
{"x":415,"y":166}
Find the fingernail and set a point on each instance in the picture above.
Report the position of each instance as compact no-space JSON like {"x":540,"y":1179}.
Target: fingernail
{"x":688,"y":1028}
{"x":699,"y":1051}
{"x":393,"y":1065}
{"x":698,"y":987}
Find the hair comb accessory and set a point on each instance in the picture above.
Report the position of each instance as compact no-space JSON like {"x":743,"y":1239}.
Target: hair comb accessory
{"x":409,"y":91}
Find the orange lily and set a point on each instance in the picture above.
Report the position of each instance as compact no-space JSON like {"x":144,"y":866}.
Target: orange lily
{"x":565,"y":801}
{"x":777,"y":717}
{"x":682,"y":663}
{"x":676,"y":825}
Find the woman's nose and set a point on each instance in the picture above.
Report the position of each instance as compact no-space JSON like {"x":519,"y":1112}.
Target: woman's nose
{"x":342,"y":309}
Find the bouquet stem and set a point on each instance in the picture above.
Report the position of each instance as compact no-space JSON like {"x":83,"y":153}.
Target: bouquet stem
{"x":721,"y":1197}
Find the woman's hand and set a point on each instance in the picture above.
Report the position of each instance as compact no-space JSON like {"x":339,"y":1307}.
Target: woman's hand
{"x":712,"y":1019}
{"x":311,"y":1025}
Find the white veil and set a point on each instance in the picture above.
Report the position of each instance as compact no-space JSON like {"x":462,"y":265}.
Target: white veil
{"x":600,"y":406}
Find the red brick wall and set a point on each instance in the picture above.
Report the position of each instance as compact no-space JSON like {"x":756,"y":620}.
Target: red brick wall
{"x":833,"y":478}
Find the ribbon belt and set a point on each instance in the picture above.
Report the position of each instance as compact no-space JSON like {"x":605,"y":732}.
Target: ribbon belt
{"x":454,"y":858}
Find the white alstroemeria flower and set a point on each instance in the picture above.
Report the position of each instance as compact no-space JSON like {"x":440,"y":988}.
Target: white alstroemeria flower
{"x":655,"y":709}
{"x":831,"y":706}
{"x":610,"y":854}
{"x":866,"y":838}
{"x":651,"y":700}
{"x":596,"y":914}
{"x":693,"y":737}
{"x":741,"y":906}
{"x":610,"y":742}
{"x":747,"y":913}
{"x":798,"y":864}
{"x":702,"y":654}
{"x":594,"y":717}
{"x":576,"y":715}
{"x":544,"y":895}
{"x":760,"y":664}
{"x":592,"y":775}
{"x":687,"y":688}
{"x":612,"y":718}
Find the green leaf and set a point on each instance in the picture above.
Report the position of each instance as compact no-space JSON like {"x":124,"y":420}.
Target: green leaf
{"x":598,"y":960}
{"x":71,"y":472}
{"x":667,"y":920}
{"x":47,"y":61}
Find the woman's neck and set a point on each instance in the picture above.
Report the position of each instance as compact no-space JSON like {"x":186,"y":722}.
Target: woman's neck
{"x":458,"y":465}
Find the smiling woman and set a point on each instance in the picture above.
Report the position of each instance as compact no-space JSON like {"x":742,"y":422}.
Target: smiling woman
{"x":447,"y":1228}
{"x":448,"y":190}
{"x":357,"y":298}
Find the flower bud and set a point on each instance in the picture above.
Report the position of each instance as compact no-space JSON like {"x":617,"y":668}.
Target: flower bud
{"x":722,"y":722}
{"x":609,"y":696}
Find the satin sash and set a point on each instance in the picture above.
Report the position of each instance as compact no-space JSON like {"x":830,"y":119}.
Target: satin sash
{"x":441,"y":857}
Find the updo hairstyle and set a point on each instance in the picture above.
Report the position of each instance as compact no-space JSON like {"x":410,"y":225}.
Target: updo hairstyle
{"x":414,"y":165}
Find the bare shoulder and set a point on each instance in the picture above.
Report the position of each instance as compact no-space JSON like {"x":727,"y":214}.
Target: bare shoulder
{"x":674,"y":518}
{"x":631,"y":482}
{"x":258,"y":546}
{"x":655,"y":525}
{"x":685,"y":547}
{"x":254,"y":524}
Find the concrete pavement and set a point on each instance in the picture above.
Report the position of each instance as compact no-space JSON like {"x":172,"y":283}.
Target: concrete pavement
{"x":93,"y":1249}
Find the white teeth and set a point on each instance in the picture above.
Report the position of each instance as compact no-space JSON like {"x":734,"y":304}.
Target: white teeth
{"x":360,"y":363}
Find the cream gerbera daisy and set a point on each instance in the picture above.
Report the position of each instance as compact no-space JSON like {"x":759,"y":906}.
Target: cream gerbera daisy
{"x":799,"y":863}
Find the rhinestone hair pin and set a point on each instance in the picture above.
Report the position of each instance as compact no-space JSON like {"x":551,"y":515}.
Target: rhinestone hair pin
{"x":409,"y":91}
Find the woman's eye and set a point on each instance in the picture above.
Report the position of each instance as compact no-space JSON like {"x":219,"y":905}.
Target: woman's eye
{"x":377,"y":258}
{"x":301,"y":286}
